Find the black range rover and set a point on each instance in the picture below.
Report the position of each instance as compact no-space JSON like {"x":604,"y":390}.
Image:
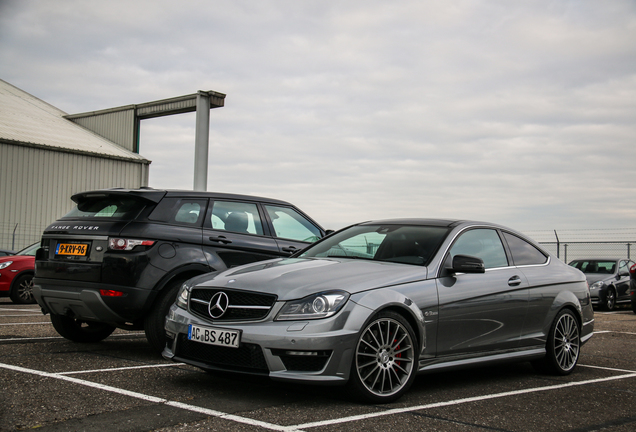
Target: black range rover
{"x":119,"y":257}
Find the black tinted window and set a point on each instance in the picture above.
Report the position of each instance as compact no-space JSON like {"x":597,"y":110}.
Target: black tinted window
{"x":111,"y":206}
{"x":180,"y":211}
{"x":524,"y":253}
{"x":237,"y":217}
{"x":594,"y":266}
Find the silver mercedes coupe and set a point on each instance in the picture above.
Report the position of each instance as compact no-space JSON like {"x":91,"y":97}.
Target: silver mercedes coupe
{"x":376,"y":303}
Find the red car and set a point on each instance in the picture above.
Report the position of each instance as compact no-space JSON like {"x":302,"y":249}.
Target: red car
{"x":16,"y":275}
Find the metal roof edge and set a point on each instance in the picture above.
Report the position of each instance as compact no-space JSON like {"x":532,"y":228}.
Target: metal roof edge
{"x":209,"y":93}
{"x":139,"y":160}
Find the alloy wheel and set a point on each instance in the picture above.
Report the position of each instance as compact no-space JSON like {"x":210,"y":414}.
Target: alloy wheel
{"x":610,"y":301}
{"x":25,"y":290}
{"x":385,"y":357}
{"x":566,"y":342}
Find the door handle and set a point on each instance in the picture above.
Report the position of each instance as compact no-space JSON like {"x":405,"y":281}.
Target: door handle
{"x":514,"y":281}
{"x":289,"y":249}
{"x":220,"y":239}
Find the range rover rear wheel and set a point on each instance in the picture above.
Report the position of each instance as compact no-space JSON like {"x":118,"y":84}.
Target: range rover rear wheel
{"x":81,"y":331}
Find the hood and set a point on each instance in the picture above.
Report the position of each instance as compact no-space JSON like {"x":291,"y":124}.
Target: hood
{"x":595,"y":277}
{"x":17,"y":258}
{"x":294,"y":278}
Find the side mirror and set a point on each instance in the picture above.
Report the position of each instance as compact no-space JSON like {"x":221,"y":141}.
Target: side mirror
{"x":468,"y":264}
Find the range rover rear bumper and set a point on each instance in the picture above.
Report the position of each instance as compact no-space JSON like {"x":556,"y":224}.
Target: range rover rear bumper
{"x":82,"y":300}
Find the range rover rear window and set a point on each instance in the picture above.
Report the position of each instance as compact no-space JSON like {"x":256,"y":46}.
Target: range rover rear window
{"x":111,"y":207}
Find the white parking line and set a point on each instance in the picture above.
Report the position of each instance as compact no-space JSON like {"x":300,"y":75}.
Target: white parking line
{"x":12,"y":324}
{"x":121,"y":368}
{"x":607,"y":368}
{"x":300,"y":427}
{"x":121,"y":335}
{"x":297,"y":428}
{"x":14,"y":316}
{"x":148,"y":398}
{"x":609,"y":331}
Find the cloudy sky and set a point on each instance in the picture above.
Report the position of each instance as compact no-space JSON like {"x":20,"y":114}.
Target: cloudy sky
{"x":521,"y":113}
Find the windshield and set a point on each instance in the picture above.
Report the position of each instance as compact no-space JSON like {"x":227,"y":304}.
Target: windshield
{"x":30,"y":250}
{"x":408,"y":244}
{"x":110,"y":206}
{"x":595,"y":266}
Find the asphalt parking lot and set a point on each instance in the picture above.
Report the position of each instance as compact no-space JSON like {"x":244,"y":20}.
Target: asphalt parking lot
{"x":51,"y":384}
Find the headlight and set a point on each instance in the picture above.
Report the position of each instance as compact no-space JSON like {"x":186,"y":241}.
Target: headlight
{"x":597,"y":285}
{"x":321,"y":305}
{"x":4,"y":265}
{"x":182,"y":296}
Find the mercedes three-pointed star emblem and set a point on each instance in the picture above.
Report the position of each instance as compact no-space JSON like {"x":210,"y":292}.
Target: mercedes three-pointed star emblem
{"x":218,"y":305}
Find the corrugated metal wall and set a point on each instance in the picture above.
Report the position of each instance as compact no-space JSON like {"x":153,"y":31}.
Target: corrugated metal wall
{"x":36,"y":185}
{"x":116,"y":126}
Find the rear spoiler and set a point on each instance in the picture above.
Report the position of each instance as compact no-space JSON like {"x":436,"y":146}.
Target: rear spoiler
{"x":148,"y":194}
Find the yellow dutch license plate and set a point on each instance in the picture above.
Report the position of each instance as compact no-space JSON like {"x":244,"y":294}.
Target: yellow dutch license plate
{"x":71,"y":249}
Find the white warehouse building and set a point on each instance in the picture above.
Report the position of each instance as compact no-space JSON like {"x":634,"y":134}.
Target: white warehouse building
{"x":47,"y":155}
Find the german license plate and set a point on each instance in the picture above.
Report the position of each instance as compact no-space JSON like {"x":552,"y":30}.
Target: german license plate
{"x":71,"y":249}
{"x":214,"y":336}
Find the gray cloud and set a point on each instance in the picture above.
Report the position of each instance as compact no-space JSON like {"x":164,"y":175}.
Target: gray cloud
{"x":520,"y":113}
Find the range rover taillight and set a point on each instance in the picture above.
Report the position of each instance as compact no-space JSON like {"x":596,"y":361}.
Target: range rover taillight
{"x":123,"y":244}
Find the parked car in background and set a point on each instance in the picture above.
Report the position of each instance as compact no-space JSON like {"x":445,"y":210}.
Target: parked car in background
{"x":6,"y":252}
{"x":16,"y":275}
{"x":608,"y":279}
{"x":119,"y":257}
{"x":632,"y":286}
{"x":374,"y":304}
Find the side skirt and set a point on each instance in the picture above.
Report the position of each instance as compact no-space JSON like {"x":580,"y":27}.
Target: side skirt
{"x":461,"y":362}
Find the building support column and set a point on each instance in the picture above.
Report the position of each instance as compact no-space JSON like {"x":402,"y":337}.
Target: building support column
{"x":202,"y":142}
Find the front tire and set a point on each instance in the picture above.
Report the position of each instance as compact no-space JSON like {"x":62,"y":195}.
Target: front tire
{"x":22,"y":292}
{"x":563,"y":345}
{"x":81,"y":331}
{"x":610,"y":299}
{"x":385,"y":361}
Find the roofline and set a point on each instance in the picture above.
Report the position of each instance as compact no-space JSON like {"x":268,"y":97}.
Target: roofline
{"x":139,"y":160}
{"x":154,"y":108}
{"x":176,"y":192}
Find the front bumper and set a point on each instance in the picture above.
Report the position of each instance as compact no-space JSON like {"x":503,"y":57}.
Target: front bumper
{"x":598,"y":296}
{"x":313,"y":351}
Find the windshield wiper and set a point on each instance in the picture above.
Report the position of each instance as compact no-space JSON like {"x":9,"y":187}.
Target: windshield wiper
{"x":350,"y":257}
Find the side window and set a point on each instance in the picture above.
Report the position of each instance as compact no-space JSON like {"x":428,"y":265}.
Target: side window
{"x":623,"y":267}
{"x":238,"y":217}
{"x":524,"y":253}
{"x":481,"y":243}
{"x":180,"y":211}
{"x":188,"y":213}
{"x":290,"y":224}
